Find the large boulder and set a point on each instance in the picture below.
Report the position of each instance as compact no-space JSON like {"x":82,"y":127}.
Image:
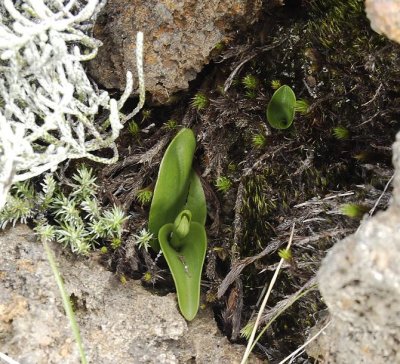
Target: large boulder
{"x":179,"y":37}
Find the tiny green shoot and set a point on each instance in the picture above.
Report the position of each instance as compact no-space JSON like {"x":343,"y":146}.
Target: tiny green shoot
{"x":223,"y":184}
{"x":200,"y":101}
{"x":341,"y":133}
{"x":259,"y":141}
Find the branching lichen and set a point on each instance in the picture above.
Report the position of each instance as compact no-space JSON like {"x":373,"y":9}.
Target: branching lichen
{"x":47,"y":103}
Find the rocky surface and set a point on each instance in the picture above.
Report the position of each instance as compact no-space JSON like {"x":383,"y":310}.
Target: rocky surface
{"x":120,"y":323}
{"x":179,"y":37}
{"x":360,"y":283}
{"x":384,"y":17}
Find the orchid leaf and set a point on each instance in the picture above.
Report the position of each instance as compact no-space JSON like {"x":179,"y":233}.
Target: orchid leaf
{"x":196,"y":201}
{"x":172,"y":186}
{"x":186,"y":265}
{"x":281,"y":108}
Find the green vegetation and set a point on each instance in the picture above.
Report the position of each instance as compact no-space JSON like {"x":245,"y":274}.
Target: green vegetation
{"x":223,"y":184}
{"x":302,"y":107}
{"x":281,"y":108}
{"x":200,"y":101}
{"x":134,"y":128}
{"x":143,"y":239}
{"x":353,"y":210}
{"x":258,"y":141}
{"x":177,"y":217}
{"x":285,"y":254}
{"x":171,"y":124}
{"x":74,"y":219}
{"x":250,"y":83}
{"x":144,"y":196}
{"x":275,"y":84}
{"x":341,"y":133}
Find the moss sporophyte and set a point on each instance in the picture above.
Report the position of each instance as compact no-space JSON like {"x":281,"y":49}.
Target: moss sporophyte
{"x":177,"y":218}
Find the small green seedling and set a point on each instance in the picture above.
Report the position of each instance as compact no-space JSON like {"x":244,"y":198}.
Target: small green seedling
{"x":353,"y":210}
{"x":281,"y":108}
{"x":134,"y":128}
{"x":223,"y":184}
{"x":200,"y":101}
{"x":302,"y":107}
{"x":177,"y":217}
{"x":258,"y":141}
{"x":275,"y":84}
{"x":341,"y":133}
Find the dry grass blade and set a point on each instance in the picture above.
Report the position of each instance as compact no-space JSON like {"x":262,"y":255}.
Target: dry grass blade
{"x":264,"y":303}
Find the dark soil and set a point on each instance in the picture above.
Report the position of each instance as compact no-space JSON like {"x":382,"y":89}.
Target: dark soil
{"x":302,"y":176}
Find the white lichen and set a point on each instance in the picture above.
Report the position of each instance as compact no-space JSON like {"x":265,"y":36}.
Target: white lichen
{"x":48,"y":104}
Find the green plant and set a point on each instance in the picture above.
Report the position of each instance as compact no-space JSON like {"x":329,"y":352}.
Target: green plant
{"x":258,"y":140}
{"x":146,"y":114}
{"x":275,"y":84}
{"x":134,"y":128}
{"x":250,"y":82}
{"x":285,"y":254}
{"x":144,"y":196}
{"x":170,"y":124}
{"x":177,"y":218}
{"x":223,"y":184}
{"x":302,"y":107}
{"x":65,"y":299}
{"x":280,"y":110}
{"x":200,"y":101}
{"x":353,"y":210}
{"x":341,"y":133}
{"x":75,"y":220}
{"x":143,"y":239}
{"x":282,"y":107}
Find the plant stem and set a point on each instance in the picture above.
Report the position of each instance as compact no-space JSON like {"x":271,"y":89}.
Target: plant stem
{"x":66,"y":301}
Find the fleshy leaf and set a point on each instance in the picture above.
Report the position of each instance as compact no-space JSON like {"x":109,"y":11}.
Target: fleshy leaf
{"x":172,"y":186}
{"x":196,"y":201}
{"x":186,"y":265}
{"x":280,"y":110}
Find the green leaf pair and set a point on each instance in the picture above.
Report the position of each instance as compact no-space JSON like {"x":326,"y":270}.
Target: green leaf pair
{"x":177,"y":217}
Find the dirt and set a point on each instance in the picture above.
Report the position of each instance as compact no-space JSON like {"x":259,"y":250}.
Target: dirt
{"x":302,"y":176}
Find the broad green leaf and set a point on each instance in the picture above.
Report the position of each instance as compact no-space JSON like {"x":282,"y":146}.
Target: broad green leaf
{"x":280,"y":110}
{"x":196,"y":201}
{"x":171,"y":190}
{"x":186,"y":265}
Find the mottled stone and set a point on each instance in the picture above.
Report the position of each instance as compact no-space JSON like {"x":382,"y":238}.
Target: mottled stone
{"x":385,"y":17}
{"x":179,"y":37}
{"x":119,"y":323}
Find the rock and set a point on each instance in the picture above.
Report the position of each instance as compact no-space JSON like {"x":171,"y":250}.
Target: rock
{"x":360,"y":282}
{"x":119,"y":323}
{"x":179,"y":37}
{"x":384,"y":17}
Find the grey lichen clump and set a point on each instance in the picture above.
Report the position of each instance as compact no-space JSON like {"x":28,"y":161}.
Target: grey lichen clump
{"x":47,"y":103}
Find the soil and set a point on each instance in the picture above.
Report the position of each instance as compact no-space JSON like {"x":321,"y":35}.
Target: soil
{"x":337,"y":153}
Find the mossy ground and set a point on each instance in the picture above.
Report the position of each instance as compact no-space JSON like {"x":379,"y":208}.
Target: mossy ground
{"x":326,"y":51}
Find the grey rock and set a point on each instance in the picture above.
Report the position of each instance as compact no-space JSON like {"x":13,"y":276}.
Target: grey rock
{"x":179,"y":37}
{"x":360,"y":282}
{"x":119,"y":323}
